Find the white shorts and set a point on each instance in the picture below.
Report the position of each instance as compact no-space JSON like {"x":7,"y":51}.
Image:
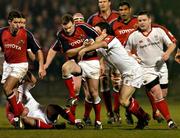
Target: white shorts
{"x":17,"y":70}
{"x":133,"y":78}
{"x":163,"y":78}
{"x":90,"y":69}
{"x":151,"y":74}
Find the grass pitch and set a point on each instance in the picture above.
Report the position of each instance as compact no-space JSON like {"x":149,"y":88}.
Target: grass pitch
{"x":154,"y":130}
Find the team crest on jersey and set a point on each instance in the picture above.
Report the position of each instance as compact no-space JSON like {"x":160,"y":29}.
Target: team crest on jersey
{"x":20,"y":43}
{"x":141,"y":41}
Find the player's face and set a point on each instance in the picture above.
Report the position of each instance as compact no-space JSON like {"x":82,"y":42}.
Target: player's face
{"x":69,"y":28}
{"x":22,"y":22}
{"x":14,"y":25}
{"x":104,"y":5}
{"x":125,"y":12}
{"x":78,"y":19}
{"x":144,"y":22}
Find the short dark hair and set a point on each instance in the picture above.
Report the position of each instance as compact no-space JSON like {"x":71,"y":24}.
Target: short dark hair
{"x":144,"y":12}
{"x":124,"y":3}
{"x":22,"y":15}
{"x":66,"y":19}
{"x":13,"y":14}
{"x":105,"y":25}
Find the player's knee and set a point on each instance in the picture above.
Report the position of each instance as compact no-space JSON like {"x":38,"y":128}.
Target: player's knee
{"x":89,"y":99}
{"x":97,"y":100}
{"x":7,"y":89}
{"x":65,"y":70}
{"x":124,"y":102}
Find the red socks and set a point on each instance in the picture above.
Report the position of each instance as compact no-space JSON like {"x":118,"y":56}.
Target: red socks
{"x":152,"y":101}
{"x":71,"y":117}
{"x":163,"y":108}
{"x":88,"y":107}
{"x":97,"y":109}
{"x":42,"y":125}
{"x":13,"y":102}
{"x":135,"y":109}
{"x":70,"y":85}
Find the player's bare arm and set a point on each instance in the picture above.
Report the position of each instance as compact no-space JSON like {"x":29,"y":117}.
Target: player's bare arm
{"x":50,"y":57}
{"x":31,"y":55}
{"x":96,"y":45}
{"x":42,"y":71}
{"x":74,"y":51}
{"x":168,"y":52}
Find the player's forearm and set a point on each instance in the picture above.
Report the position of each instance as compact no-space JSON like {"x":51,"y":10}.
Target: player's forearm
{"x":170,"y":49}
{"x":40,"y":58}
{"x":50,"y":57}
{"x":74,"y":51}
{"x":31,"y":55}
{"x":96,"y":45}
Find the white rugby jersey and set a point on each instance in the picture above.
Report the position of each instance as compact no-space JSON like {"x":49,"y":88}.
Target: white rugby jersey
{"x":150,"y":47}
{"x":117,"y":56}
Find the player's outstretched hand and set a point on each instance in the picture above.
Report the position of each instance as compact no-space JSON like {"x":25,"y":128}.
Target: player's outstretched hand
{"x":177,"y":57}
{"x":81,"y":54}
{"x":42,"y":73}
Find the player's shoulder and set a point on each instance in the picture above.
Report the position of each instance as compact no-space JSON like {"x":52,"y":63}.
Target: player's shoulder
{"x":116,"y":21}
{"x":59,"y":32}
{"x":93,"y":17}
{"x":29,"y":33}
{"x":158,"y":26}
{"x":2,"y":29}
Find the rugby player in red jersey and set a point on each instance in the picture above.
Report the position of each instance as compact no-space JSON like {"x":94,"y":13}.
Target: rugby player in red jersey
{"x":70,"y":39}
{"x":14,"y":42}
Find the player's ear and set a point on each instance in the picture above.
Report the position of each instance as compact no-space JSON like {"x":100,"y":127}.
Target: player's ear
{"x":9,"y":22}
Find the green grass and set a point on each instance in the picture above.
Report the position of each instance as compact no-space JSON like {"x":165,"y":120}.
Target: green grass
{"x":154,"y":130}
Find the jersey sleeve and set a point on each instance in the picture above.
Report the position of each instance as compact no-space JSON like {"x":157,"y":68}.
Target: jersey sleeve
{"x":32,"y":43}
{"x":167,"y":37}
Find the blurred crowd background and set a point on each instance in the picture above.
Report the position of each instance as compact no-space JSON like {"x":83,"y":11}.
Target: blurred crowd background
{"x":43,"y":18}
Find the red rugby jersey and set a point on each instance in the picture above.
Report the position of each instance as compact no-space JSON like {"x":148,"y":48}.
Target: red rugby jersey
{"x":122,"y":30}
{"x":82,"y":32}
{"x":15,"y":47}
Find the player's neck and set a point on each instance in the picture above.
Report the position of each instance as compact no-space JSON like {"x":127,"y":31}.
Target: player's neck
{"x":13,"y":32}
{"x":147,"y":31}
{"x":106,"y":14}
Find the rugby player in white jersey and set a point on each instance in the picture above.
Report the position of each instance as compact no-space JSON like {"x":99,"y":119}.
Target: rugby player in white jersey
{"x":115,"y":54}
{"x":148,"y":41}
{"x":36,"y":115}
